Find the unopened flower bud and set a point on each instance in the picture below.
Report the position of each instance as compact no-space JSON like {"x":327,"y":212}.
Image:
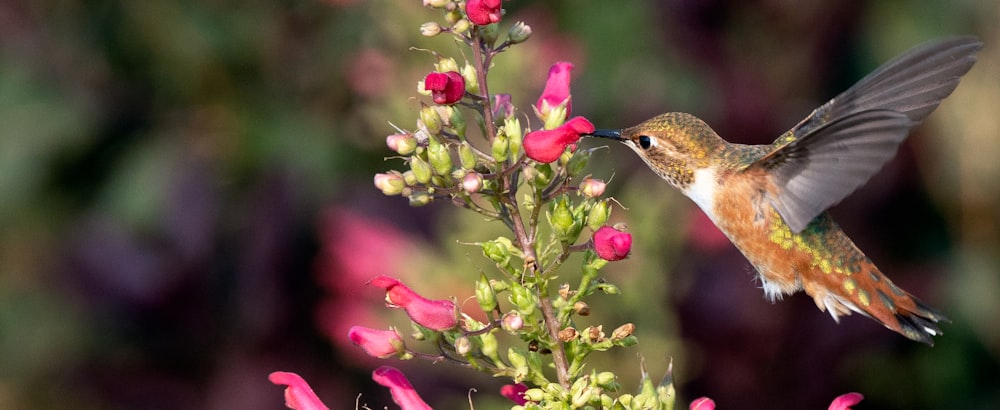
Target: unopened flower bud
{"x":461,"y":26}
{"x":512,"y":128}
{"x":485,"y":295}
{"x":605,"y":378}
{"x":502,"y":106}
{"x":390,"y":183}
{"x":501,"y":145}
{"x":623,"y":331}
{"x":535,"y":395}
{"x":489,"y":346}
{"x":402,"y":144}
{"x":472,"y":182}
{"x":377,"y":343}
{"x":598,"y":216}
{"x":431,"y":119}
{"x":512,"y":322}
{"x":462,"y":345}
{"x":563,"y":220}
{"x":489,"y":32}
{"x":466,"y":156}
{"x":568,"y":334}
{"x":421,"y":169}
{"x":523,"y":299}
{"x":581,"y":308}
{"x":592,"y":188}
{"x":471,"y":79}
{"x":498,"y":250}
{"x":519,"y":32}
{"x":430,"y":29}
{"x":420,"y":199}
{"x":457,"y":121}
{"x":446,"y":64}
{"x":439,"y":158}
{"x":436,"y":3}
{"x":453,"y":16}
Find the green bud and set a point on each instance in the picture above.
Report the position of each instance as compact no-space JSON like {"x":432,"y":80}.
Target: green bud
{"x":431,"y":119}
{"x":409,"y":177}
{"x":420,"y":199}
{"x":484,"y":294}
{"x":466,"y":156}
{"x":457,"y":120}
{"x":563,"y":220}
{"x":446,"y":64}
{"x":489,"y":33}
{"x":534,"y":394}
{"x":453,"y":16}
{"x":605,"y":379}
{"x":499,"y":251}
{"x":430,"y":29}
{"x":437,"y":4}
{"x":518,"y":33}
{"x":461,"y":26}
{"x":582,"y":395}
{"x":489,"y":347}
{"x":471,"y":79}
{"x":439,"y":157}
{"x":390,"y":183}
{"x":609,"y":289}
{"x":522,"y":298}
{"x":421,"y":169}
{"x":598,"y":215}
{"x":499,"y":285}
{"x":512,"y":128}
{"x":501,"y":144}
{"x":520,"y":364}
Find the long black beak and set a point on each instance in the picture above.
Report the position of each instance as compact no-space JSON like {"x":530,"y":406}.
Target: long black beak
{"x":609,"y":134}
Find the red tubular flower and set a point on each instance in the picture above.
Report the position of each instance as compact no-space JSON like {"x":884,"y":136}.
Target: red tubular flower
{"x":400,"y":388}
{"x":446,"y":88}
{"x":548,"y":145}
{"x":515,"y":392}
{"x":298,"y":394}
{"x":612,"y":244}
{"x":845,"y":401}
{"x":433,"y":314}
{"x":556,"y":89}
{"x":375,"y":342}
{"x":703,"y":403}
{"x":483,"y":12}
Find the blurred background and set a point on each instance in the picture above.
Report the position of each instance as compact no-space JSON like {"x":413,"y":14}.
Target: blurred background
{"x":186,"y":199}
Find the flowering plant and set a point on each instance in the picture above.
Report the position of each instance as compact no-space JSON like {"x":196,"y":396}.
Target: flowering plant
{"x":532,"y":181}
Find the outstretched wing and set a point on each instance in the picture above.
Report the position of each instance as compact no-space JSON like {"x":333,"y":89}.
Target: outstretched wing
{"x":845,"y":141}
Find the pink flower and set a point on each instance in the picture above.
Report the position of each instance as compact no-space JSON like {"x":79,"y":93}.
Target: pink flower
{"x":547,"y":145}
{"x":845,"y":401}
{"x":612,"y":244}
{"x":703,"y":403}
{"x":375,"y":342}
{"x":400,"y":388}
{"x":515,"y":392}
{"x":556,"y":89}
{"x":433,"y":314}
{"x":446,"y":88}
{"x":483,"y":12}
{"x":298,"y":395}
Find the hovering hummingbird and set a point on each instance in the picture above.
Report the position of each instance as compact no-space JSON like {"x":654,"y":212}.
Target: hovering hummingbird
{"x":771,"y":200}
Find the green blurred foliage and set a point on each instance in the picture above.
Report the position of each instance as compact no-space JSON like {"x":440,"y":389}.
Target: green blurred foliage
{"x":165,"y":166}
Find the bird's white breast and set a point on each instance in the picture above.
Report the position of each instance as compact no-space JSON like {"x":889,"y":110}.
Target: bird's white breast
{"x":702,"y":191}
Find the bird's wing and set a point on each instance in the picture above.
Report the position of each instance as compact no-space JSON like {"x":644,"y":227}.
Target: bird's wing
{"x":844,"y":142}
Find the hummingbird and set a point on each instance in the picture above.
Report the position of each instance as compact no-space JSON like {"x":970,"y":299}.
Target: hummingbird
{"x":770,"y":200}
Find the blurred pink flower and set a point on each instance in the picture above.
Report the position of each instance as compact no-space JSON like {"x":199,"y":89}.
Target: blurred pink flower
{"x":703,"y":233}
{"x":502,"y":106}
{"x":433,"y":314}
{"x":515,"y":392}
{"x":298,"y":394}
{"x":845,"y":401}
{"x":483,"y":12}
{"x":547,"y":145}
{"x":400,"y":388}
{"x":353,"y":249}
{"x":612,"y":244}
{"x":369,"y":73}
{"x":376,"y":342}
{"x":703,"y":403}
{"x":556,"y":89}
{"x":445,"y":88}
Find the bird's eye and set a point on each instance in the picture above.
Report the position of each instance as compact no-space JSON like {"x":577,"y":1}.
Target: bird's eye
{"x":645,"y":142}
